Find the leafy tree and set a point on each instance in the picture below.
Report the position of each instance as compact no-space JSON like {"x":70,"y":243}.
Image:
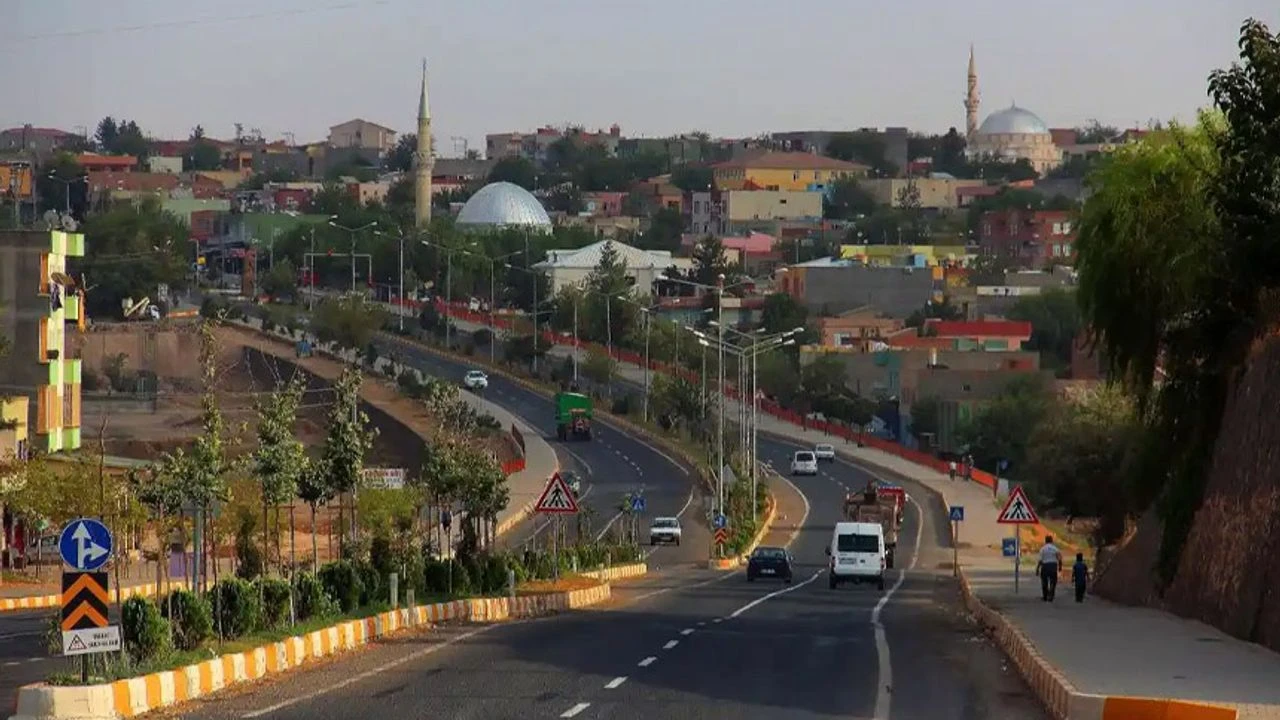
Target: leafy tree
{"x":1002,"y":427}
{"x":202,"y":155}
{"x":781,"y":313}
{"x":348,"y":438}
{"x":693,"y":178}
{"x":600,"y":368}
{"x":709,"y":261}
{"x":605,"y":316}
{"x":136,"y":247}
{"x":934,"y":311}
{"x":280,"y":457}
{"x":778,"y":377}
{"x":823,"y":377}
{"x":281,"y":280}
{"x":847,"y":200}
{"x":350,"y":321}
{"x":948,"y":154}
{"x":314,"y":489}
{"x":1095,"y":132}
{"x":1055,"y":324}
{"x":665,"y":230}
{"x":1000,"y":170}
{"x":400,"y":157}
{"x":515,"y":170}
{"x":862,"y":146}
{"x":107,"y":133}
{"x":122,"y":137}
{"x":926,"y":417}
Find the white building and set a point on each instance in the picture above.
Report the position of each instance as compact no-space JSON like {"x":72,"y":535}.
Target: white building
{"x":572,"y":267}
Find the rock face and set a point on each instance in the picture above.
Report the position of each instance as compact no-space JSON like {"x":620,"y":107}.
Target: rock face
{"x":1229,"y":571}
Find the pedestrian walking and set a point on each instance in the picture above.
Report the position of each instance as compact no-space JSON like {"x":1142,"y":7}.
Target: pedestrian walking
{"x":951,"y":469}
{"x":1080,"y":576}
{"x":1047,"y":569}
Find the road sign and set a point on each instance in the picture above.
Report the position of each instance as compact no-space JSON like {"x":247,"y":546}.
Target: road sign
{"x":1017,"y":510}
{"x":84,"y":600}
{"x":557,"y":497}
{"x":1009,"y":547}
{"x":637,"y":503}
{"x":85,"y":544}
{"x":957,"y":513}
{"x":91,"y":640}
{"x":720,"y":522}
{"x":721,"y":536}
{"x":383,"y":478}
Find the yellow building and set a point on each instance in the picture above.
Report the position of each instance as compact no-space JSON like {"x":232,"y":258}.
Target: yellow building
{"x":13,"y":429}
{"x":783,"y":171}
{"x":904,"y":255}
{"x":935,"y":193}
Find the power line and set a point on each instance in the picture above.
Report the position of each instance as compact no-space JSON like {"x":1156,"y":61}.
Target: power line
{"x":192,"y":22}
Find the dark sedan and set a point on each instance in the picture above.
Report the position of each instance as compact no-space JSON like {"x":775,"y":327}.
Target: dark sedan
{"x":772,"y":562}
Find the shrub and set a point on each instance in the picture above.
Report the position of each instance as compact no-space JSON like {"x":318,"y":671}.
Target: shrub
{"x":342,"y":584}
{"x":310,"y":598}
{"x":146,"y":633}
{"x":481,"y":337}
{"x":495,"y":574}
{"x":436,"y":576}
{"x":212,"y":306}
{"x":373,"y":584}
{"x":237,"y":607}
{"x":249,"y":560}
{"x":381,"y":555}
{"x":190,"y":617}
{"x":275,"y":602}
{"x":621,"y":405}
{"x":461,"y":579}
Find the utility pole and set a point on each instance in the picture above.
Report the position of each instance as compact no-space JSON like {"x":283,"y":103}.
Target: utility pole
{"x":646,"y":366}
{"x":720,"y":413}
{"x":400,"y":297}
{"x":575,"y":340}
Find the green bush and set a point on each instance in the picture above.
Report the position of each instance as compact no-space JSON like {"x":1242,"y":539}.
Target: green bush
{"x":381,"y":555}
{"x":236,"y":607}
{"x":275,"y":602}
{"x":495,"y":574}
{"x":621,"y":405}
{"x":342,"y":584}
{"x":190,"y":617}
{"x":310,"y":597}
{"x":146,"y":633}
{"x":249,"y":559}
{"x":435,"y":576}
{"x":373,"y":584}
{"x":461,"y":580}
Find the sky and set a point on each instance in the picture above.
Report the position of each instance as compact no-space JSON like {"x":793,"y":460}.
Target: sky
{"x":732,"y":68}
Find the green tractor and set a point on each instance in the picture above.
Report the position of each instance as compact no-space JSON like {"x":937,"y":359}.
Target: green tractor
{"x":573,"y":416}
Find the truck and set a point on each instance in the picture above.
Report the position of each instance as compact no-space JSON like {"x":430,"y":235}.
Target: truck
{"x":874,"y":505}
{"x":573,"y":415}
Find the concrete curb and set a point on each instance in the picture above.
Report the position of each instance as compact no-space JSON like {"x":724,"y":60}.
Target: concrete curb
{"x":135,"y":696}
{"x":618,"y":572}
{"x":32,"y":602}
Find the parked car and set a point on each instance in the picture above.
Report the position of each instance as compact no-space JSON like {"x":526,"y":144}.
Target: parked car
{"x":825,"y":452}
{"x":475,"y":380}
{"x":665,"y":530}
{"x":769,"y":562}
{"x":804,"y":462}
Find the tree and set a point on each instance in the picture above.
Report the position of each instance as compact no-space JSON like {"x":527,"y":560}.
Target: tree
{"x":926,"y":417}
{"x":1001,"y":170}
{"x":281,"y":280}
{"x":599,"y":368}
{"x":1095,"y":132}
{"x":847,"y":200}
{"x":348,"y":438}
{"x":778,"y":377}
{"x":515,"y":170}
{"x":349,"y":321}
{"x":280,"y":457}
{"x":862,"y":146}
{"x":314,"y":489}
{"x":201,"y":154}
{"x":709,"y":261}
{"x":948,"y":156}
{"x":1002,"y":427}
{"x":781,"y":313}
{"x":1055,"y":325}
{"x":107,"y":133}
{"x":693,"y":178}
{"x":665,"y":231}
{"x":909,"y":206}
{"x":400,"y":157}
{"x":944,"y":311}
{"x":136,"y":247}
{"x":608,"y":317}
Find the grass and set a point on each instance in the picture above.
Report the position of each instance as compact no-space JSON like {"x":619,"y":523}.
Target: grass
{"x":566,"y":583}
{"x":8,"y":577}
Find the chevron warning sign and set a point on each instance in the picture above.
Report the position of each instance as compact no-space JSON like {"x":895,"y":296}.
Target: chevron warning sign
{"x":722,"y":535}
{"x":84,"y":600}
{"x":1017,"y":510}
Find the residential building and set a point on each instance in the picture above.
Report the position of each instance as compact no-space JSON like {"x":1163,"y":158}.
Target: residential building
{"x":720,"y":212}
{"x":360,"y":133}
{"x":15,"y":180}
{"x":892,"y":139}
{"x":572,"y":267}
{"x":534,"y":146}
{"x":755,"y":252}
{"x":162,"y":164}
{"x":35,"y":310}
{"x":985,"y":335}
{"x":368,"y":192}
{"x":679,"y":150}
{"x":37,"y":141}
{"x":935,"y":193}
{"x":658,"y":192}
{"x":1031,"y":238}
{"x":831,"y":287}
{"x":603,"y":204}
{"x":621,"y":227}
{"x":92,"y":162}
{"x":919,"y":256}
{"x":860,"y":328}
{"x":455,"y":173}
{"x":771,"y":170}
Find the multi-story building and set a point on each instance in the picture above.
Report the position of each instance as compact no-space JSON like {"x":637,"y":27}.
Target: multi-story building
{"x":534,"y":146}
{"x":566,"y":268}
{"x":831,"y":287}
{"x":360,"y":133}
{"x":720,"y":212}
{"x":783,"y":171}
{"x":860,"y":329}
{"x":892,"y":139}
{"x":91,"y":163}
{"x":919,"y":256}
{"x":35,"y":308}
{"x":935,"y":193}
{"x":986,"y":335}
{"x":35,"y":141}
{"x":1031,"y":238}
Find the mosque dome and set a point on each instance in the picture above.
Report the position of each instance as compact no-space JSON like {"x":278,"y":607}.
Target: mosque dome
{"x":504,"y":204}
{"x":1013,"y":120}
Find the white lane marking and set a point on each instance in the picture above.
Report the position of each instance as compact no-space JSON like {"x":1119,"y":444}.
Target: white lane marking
{"x":803,"y":518}
{"x":770,"y":596}
{"x":615,"y":682}
{"x":690,"y":586}
{"x":718,"y":620}
{"x":670,"y":644}
{"x":585,"y":465}
{"x":687,"y":631}
{"x":885,"y":685}
{"x":575,"y":710}
{"x":11,"y":663}
{"x":608,"y":525}
{"x":701,"y":623}
{"x":35,"y":660}
{"x":647,"y":661}
{"x":370,"y":673}
{"x":688,"y":501}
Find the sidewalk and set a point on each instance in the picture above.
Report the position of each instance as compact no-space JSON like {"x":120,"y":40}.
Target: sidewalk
{"x":1086,"y":660}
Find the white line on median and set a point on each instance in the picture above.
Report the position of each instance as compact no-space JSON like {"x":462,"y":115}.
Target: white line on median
{"x":670,"y":644}
{"x":775,"y":594}
{"x":575,"y":710}
{"x":647,"y":661}
{"x":615,"y":682}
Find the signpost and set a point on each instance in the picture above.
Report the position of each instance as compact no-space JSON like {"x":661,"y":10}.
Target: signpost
{"x":956,"y":512}
{"x":557,"y":499}
{"x":637,"y":503}
{"x":1017,"y":512}
{"x":721,"y":536}
{"x":85,"y":545}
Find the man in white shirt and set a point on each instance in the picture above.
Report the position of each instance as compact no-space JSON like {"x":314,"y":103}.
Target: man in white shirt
{"x":1047,"y":569}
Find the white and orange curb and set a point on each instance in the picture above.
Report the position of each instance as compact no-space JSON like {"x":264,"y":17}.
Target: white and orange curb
{"x":32,"y":602}
{"x":136,"y":696}
{"x":737,"y":560}
{"x":618,"y":572}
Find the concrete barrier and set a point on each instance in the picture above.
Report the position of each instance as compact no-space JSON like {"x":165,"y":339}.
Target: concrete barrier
{"x":618,"y":572}
{"x":32,"y":602}
{"x":136,"y":696}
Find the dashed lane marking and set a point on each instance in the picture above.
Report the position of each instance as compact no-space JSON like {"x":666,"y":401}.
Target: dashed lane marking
{"x":647,"y":661}
{"x":614,"y":683}
{"x":670,"y":644}
{"x":575,"y":710}
{"x":687,"y":631}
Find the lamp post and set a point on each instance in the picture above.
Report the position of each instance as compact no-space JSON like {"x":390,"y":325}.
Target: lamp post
{"x":67,"y":185}
{"x":352,"y":231}
{"x":400,"y":306}
{"x":646,"y":309}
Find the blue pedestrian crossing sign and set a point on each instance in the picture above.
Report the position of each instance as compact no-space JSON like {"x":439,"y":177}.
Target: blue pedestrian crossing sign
{"x":1009,"y":547}
{"x":637,"y":503}
{"x":719,"y":521}
{"x":957,"y":513}
{"x":85,"y":544}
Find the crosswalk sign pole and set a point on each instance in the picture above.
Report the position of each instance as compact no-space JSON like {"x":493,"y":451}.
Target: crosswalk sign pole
{"x":1017,"y":556}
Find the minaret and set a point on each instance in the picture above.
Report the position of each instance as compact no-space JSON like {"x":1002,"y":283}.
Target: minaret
{"x":423,"y":162}
{"x":971,"y":99}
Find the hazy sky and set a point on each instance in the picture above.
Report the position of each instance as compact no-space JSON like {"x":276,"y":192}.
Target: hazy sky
{"x":656,"y":67}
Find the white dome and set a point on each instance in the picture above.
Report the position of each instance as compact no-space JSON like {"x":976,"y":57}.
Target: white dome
{"x":504,"y":204}
{"x":1013,"y":120}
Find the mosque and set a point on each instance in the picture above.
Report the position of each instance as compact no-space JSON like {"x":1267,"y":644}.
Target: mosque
{"x":1010,"y":134}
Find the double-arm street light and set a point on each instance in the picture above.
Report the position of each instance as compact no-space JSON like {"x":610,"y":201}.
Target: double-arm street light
{"x":648,"y":319}
{"x":353,"y":230}
{"x":67,"y":185}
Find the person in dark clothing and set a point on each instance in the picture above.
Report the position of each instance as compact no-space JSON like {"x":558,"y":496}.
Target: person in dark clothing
{"x":1080,"y":576}
{"x":1047,"y":569}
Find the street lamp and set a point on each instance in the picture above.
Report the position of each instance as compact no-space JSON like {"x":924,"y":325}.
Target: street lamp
{"x":400,"y":306}
{"x":352,"y":231}
{"x":67,"y":184}
{"x":647,"y":310}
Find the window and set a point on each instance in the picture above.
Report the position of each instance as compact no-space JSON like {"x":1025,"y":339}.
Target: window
{"x":857,"y":543}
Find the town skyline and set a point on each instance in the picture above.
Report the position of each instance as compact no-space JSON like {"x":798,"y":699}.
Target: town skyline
{"x":474,"y":94}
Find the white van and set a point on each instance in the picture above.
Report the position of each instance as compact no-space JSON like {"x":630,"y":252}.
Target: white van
{"x":858,"y":554}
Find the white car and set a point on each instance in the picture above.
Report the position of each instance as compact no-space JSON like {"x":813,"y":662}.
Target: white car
{"x":857,"y":554}
{"x":804,"y":462}
{"x":475,"y":380}
{"x":664,"y":530}
{"x":825,"y":452}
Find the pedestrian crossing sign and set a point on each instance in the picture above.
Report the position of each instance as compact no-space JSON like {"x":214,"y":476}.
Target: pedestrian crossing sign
{"x":1017,"y":509}
{"x":556,"y":497}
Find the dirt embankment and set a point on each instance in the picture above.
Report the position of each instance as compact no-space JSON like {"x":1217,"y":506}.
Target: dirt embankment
{"x":1230,"y":565}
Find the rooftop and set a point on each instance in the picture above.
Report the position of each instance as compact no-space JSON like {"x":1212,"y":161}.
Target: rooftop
{"x":978,"y":328}
{"x":772,"y":160}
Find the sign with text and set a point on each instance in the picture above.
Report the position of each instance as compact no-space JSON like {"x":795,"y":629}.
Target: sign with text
{"x":383,"y":478}
{"x":91,"y":640}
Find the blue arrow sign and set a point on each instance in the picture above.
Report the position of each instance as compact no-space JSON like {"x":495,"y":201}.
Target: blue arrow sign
{"x":637,"y":503}
{"x":85,"y":544}
{"x":719,"y":521}
{"x":957,"y":513}
{"x":1008,"y":547}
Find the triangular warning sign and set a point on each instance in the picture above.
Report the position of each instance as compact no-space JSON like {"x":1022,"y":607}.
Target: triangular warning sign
{"x":1017,"y":510}
{"x":77,"y":643}
{"x":557,"y":497}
